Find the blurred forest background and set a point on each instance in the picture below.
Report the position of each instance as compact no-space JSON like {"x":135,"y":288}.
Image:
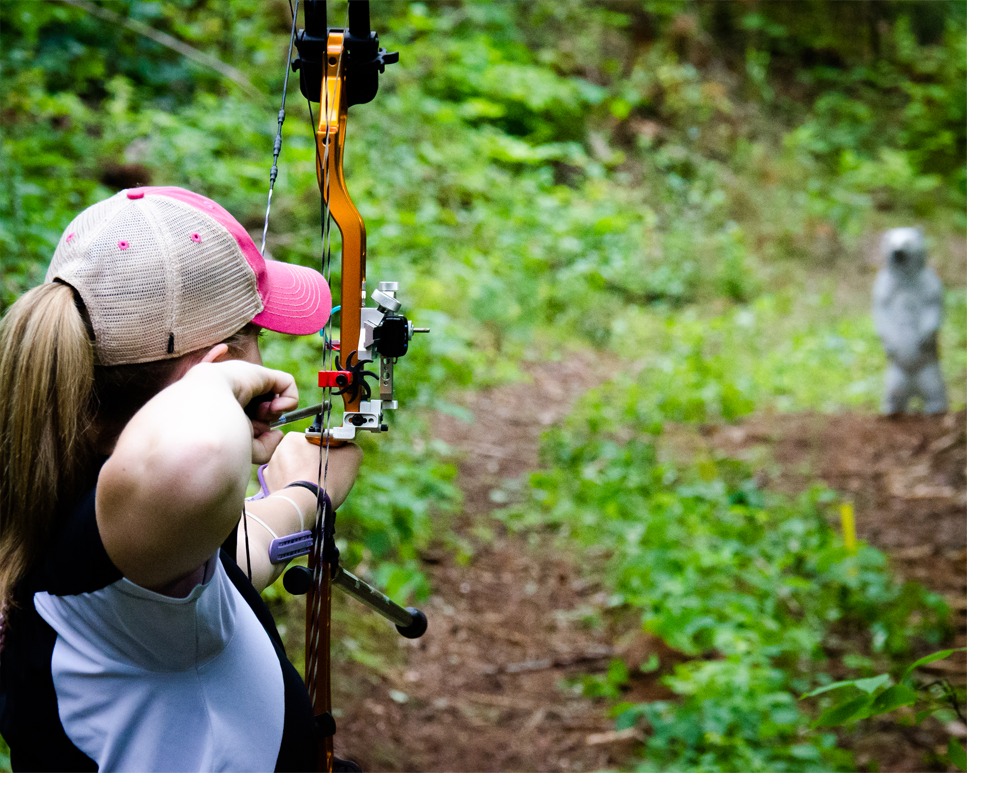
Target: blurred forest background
{"x":643,"y":234}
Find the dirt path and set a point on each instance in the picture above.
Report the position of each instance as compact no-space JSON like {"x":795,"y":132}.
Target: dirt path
{"x":484,"y":690}
{"x":483,"y":687}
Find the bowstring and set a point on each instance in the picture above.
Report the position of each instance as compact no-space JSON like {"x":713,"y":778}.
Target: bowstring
{"x":312,"y":626}
{"x":319,"y":565}
{"x":267,"y":212}
{"x":319,"y":545}
{"x":281,"y":121}
{"x":246,"y":542}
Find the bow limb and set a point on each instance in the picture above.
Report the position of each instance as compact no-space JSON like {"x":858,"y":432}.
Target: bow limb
{"x":340,"y":68}
{"x":331,"y":133}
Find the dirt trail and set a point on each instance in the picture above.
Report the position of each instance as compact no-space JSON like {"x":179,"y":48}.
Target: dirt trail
{"x":483,"y":685}
{"x":484,"y":690}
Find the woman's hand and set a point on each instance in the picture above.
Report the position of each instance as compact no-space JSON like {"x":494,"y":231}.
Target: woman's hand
{"x":295,"y":459}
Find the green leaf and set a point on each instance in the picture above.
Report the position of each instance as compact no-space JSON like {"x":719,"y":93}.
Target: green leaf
{"x":922,"y":716}
{"x":940,"y":655}
{"x":892,"y":698}
{"x":838,"y":715}
{"x":618,"y":672}
{"x":957,"y":754}
{"x":828,"y":688}
{"x":619,"y":708}
{"x":652,"y":663}
{"x":869,"y":685}
{"x":866,"y":685}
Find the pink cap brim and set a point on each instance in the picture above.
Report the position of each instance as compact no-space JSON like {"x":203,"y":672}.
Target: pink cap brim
{"x":297,"y":299}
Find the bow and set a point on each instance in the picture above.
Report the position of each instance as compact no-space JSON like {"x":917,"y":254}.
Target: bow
{"x":339,"y":68}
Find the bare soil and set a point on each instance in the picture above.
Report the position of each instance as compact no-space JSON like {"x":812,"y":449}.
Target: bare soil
{"x":485,"y":690}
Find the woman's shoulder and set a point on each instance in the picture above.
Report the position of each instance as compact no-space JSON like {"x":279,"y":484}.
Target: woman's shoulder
{"x":75,"y":560}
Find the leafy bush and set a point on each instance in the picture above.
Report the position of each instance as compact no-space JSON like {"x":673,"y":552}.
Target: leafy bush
{"x":878,"y":695}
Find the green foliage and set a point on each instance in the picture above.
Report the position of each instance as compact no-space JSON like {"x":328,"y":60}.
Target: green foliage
{"x":4,"y":756}
{"x":869,"y":697}
{"x":957,"y":755}
{"x":42,"y":188}
{"x":766,"y":354}
{"x":929,"y":118}
{"x":497,"y":188}
{"x":392,"y":512}
{"x":746,"y":585}
{"x":76,"y":98}
{"x":680,"y":183}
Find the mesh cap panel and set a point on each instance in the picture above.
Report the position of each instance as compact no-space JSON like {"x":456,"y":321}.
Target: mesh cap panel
{"x":216,"y":287}
{"x":159,"y":277}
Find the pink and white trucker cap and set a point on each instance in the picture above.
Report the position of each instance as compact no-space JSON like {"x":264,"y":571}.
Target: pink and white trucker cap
{"x":164,"y":271}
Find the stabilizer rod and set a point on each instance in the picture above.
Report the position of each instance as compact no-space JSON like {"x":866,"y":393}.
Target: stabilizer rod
{"x":410,"y":622}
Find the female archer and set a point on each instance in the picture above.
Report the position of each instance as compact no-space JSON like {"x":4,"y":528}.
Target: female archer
{"x":133,"y":402}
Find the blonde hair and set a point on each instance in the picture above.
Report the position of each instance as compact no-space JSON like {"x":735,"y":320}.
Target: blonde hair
{"x":46,"y":416}
{"x":55,"y":403}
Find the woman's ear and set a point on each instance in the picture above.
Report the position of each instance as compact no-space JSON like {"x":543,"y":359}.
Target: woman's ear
{"x":186,"y":362}
{"x":215,"y":354}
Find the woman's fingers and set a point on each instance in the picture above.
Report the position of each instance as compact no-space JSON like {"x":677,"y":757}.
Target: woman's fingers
{"x":265,"y":393}
{"x":266,"y":408}
{"x":252,"y":381}
{"x":280,"y":391}
{"x":264,"y":445}
{"x":271,"y":390}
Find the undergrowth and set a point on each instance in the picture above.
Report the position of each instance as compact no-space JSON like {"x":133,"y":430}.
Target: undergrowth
{"x":748,"y":586}
{"x":694,"y":186}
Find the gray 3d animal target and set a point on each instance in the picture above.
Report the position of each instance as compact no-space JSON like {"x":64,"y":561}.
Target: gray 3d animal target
{"x":908,"y":306}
